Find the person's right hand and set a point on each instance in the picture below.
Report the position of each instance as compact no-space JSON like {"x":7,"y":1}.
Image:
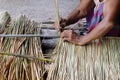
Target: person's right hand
{"x":63,"y":23}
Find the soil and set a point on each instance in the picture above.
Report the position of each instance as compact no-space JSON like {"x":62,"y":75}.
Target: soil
{"x":38,"y":10}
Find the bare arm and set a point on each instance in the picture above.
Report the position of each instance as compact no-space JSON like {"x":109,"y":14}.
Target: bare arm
{"x":110,"y":13}
{"x":80,"y":11}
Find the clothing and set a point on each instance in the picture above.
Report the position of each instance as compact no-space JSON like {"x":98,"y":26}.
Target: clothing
{"x":96,"y":16}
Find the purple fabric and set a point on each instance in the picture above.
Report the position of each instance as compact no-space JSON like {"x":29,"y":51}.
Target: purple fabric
{"x":95,"y":17}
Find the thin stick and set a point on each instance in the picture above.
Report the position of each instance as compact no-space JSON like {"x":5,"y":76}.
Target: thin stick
{"x":57,"y":12}
{"x":26,"y":56}
{"x":28,"y":35}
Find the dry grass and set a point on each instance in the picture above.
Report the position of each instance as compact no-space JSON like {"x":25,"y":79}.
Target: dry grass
{"x":4,"y":21}
{"x":14,"y":68}
{"x":96,"y":61}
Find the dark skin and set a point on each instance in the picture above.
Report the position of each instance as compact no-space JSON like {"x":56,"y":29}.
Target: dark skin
{"x":110,"y":15}
{"x":78,"y":13}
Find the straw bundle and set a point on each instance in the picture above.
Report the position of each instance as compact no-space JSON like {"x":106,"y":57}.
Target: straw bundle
{"x":96,"y":61}
{"x":4,"y":21}
{"x":14,"y":68}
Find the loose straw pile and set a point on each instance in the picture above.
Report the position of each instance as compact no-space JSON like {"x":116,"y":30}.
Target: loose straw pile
{"x":4,"y":21}
{"x":96,"y":61}
{"x":15,"y":68}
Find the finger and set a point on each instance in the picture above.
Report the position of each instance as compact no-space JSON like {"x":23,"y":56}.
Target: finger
{"x":64,"y":33}
{"x":66,"y":39}
{"x":63,"y":24}
{"x":71,"y":30}
{"x":63,"y":36}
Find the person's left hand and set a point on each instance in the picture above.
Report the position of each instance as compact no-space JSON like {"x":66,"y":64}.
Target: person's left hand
{"x":71,"y":36}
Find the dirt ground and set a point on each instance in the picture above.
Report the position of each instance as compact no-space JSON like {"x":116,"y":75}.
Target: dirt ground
{"x":38,"y":10}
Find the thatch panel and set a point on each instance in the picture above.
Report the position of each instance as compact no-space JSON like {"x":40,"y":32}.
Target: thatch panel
{"x":99,"y":60}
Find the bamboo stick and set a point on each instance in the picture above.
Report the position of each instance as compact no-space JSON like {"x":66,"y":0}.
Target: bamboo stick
{"x":57,"y":12}
{"x":26,"y":57}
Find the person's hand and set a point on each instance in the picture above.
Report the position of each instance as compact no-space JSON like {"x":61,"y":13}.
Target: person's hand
{"x":71,"y":36}
{"x":63,"y":23}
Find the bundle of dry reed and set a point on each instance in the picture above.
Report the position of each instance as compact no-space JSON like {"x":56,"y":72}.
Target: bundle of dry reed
{"x":95,"y":61}
{"x":14,"y":68}
{"x":4,"y":21}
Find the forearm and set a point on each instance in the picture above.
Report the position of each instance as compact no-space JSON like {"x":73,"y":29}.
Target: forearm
{"x":110,"y":16}
{"x":100,"y":30}
{"x":80,"y":11}
{"x":76,"y":15}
